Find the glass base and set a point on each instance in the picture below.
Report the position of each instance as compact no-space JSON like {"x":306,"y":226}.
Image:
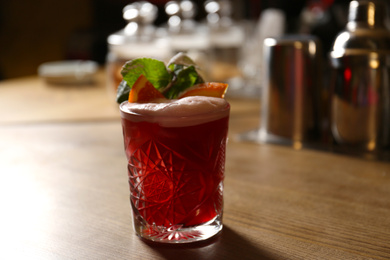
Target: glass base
{"x":177,"y":234}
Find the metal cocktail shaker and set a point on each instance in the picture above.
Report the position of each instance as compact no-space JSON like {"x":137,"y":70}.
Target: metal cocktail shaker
{"x":360,"y":82}
{"x":292,"y":69}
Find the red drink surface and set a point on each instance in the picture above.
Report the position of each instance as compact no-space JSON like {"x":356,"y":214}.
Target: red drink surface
{"x":176,"y":173}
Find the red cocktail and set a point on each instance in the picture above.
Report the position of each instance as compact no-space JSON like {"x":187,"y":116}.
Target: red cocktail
{"x":176,"y":160}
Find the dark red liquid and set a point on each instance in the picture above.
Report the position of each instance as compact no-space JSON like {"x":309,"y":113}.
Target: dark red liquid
{"x":176,"y":173}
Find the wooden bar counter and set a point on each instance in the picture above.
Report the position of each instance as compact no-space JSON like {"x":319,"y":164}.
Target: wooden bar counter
{"x":64,"y":191}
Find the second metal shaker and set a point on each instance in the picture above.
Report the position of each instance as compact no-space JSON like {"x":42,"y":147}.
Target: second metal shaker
{"x":360,"y":82}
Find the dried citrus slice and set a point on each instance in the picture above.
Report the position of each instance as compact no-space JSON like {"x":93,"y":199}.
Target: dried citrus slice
{"x":209,"y":89}
{"x":144,"y":91}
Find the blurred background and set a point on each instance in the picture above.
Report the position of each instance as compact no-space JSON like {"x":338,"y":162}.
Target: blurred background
{"x":226,"y":39}
{"x":34,"y":32}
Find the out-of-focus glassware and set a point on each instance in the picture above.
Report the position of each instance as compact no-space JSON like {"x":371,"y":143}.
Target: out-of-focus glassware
{"x":360,"y":98}
{"x":270,"y":24}
{"x":226,"y":39}
{"x":140,"y":38}
{"x":187,"y":35}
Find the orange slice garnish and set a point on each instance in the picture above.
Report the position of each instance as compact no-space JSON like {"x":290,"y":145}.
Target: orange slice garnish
{"x":144,"y":91}
{"x":209,"y":89}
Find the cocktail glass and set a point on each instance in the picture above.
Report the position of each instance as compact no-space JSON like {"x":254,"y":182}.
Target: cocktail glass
{"x":176,"y":164}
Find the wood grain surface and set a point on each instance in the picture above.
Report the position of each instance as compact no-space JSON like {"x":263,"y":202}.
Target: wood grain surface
{"x":64,"y":191}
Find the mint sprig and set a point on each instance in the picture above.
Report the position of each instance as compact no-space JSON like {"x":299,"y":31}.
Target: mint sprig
{"x":170,"y":80}
{"x":185,"y":77}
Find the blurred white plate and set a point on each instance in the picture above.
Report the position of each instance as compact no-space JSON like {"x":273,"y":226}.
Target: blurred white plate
{"x":68,"y":72}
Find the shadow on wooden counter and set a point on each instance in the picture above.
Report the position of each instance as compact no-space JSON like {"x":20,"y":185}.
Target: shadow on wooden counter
{"x":226,"y":245}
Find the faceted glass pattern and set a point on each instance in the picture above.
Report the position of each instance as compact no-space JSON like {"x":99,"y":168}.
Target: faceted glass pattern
{"x":176,"y":179}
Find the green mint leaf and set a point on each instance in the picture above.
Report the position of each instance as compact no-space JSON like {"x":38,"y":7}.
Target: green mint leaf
{"x":185,"y":77}
{"x":122,"y":93}
{"x":175,"y":68}
{"x":171,"y":80}
{"x":154,"y":70}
